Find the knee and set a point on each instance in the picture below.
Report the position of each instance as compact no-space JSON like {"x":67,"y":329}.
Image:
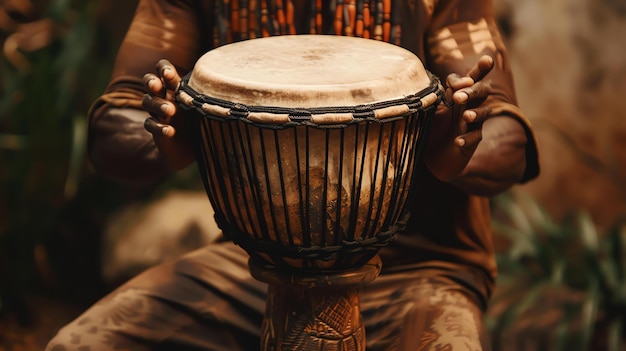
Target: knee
{"x":82,"y":335}
{"x":447,"y":319}
{"x":65,"y":340}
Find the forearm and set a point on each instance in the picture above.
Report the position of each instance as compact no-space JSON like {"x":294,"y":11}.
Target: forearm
{"x":121,"y":149}
{"x":119,"y":145}
{"x":507,"y":153}
{"x":500,"y":160}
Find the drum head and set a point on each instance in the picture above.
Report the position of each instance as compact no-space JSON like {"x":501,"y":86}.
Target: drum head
{"x":308,"y":144}
{"x":308,"y":71}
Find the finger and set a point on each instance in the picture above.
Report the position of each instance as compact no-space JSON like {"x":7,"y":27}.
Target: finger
{"x":482,"y":68}
{"x":153,"y":83}
{"x":480,"y":90}
{"x":468,"y":142}
{"x":156,"y":128}
{"x":456,"y":82}
{"x":169,"y":73}
{"x":476,"y":115}
{"x":158,"y":106}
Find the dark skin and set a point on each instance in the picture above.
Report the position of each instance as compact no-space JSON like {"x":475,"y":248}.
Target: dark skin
{"x":480,"y":153}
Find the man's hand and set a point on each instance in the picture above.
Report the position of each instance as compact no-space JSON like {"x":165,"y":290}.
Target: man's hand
{"x":456,"y":131}
{"x":167,"y":125}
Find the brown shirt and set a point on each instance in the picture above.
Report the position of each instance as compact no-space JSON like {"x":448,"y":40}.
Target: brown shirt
{"x":448,"y":229}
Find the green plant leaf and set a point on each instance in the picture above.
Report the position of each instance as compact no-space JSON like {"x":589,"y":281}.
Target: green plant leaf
{"x":514,"y":212}
{"x":572,"y":255}
{"x":557,"y":275}
{"x":561,"y":336}
{"x":614,"y":338}
{"x":617,"y":247}
{"x":77,"y":154}
{"x":588,"y":233}
{"x":608,"y":266}
{"x":508,"y":318}
{"x":522,"y":243}
{"x":588,"y":317}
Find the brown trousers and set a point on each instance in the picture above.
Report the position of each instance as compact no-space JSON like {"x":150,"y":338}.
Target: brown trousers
{"x":207,"y":300}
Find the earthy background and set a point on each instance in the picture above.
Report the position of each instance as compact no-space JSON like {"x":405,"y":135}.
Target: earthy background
{"x":67,"y":236}
{"x":569,"y":62}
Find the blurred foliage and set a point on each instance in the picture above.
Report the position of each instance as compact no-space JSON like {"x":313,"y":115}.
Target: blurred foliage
{"x":562,"y":286}
{"x":57,"y":59}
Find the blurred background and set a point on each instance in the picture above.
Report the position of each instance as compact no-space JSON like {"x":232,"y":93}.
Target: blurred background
{"x":68,"y":236}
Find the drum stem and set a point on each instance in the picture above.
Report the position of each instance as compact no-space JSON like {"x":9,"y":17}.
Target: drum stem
{"x":313,"y":311}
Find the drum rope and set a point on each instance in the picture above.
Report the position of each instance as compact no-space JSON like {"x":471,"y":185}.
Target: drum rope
{"x":224,"y":176}
{"x":220,"y":109}
{"x":314,"y":252}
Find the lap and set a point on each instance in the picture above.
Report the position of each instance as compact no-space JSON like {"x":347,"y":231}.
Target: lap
{"x":421,"y":310}
{"x":207,"y":300}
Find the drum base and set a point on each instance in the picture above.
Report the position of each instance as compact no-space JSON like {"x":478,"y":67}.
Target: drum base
{"x":313,"y":311}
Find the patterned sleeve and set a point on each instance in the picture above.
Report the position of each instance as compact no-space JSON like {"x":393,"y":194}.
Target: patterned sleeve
{"x":119,"y":146}
{"x":460,"y":32}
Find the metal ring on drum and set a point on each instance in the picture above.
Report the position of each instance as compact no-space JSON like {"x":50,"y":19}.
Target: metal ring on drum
{"x":308,"y":147}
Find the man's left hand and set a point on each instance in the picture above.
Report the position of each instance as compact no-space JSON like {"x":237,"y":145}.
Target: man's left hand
{"x":456,"y":130}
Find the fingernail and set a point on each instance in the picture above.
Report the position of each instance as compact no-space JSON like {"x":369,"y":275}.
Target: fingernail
{"x":165,"y":108}
{"x":460,"y":142}
{"x":471,"y":116}
{"x":166,"y":72}
{"x":166,"y":130}
{"x":463,"y":97}
{"x":151,"y":83}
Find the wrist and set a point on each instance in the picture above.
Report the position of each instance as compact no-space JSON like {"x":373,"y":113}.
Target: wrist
{"x":499,"y":161}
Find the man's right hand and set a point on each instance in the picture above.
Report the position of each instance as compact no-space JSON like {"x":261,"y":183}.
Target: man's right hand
{"x":166,"y":123}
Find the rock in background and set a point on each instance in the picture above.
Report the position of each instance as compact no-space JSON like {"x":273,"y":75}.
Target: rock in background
{"x":140,"y":236}
{"x":569,"y":62}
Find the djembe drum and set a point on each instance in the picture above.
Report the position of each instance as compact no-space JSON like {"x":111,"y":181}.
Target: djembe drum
{"x":307,"y":146}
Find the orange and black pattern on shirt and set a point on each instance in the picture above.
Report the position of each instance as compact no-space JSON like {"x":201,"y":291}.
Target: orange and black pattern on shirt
{"x":247,"y":19}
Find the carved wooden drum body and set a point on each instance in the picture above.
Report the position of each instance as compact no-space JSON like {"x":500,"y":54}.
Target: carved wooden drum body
{"x":307,"y":144}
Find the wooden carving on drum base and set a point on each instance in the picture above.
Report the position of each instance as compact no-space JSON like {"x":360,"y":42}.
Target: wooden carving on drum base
{"x":307,"y":146}
{"x":313,"y":311}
